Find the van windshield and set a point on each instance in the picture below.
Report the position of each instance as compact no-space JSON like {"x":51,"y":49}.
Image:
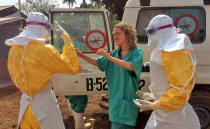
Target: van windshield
{"x":79,"y":25}
{"x":190,"y":19}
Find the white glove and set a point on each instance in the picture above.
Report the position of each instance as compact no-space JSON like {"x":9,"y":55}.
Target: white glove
{"x":59,"y":31}
{"x":145,"y":105}
{"x":144,"y":95}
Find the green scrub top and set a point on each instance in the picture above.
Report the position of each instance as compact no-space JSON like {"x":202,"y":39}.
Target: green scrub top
{"x":122,"y":86}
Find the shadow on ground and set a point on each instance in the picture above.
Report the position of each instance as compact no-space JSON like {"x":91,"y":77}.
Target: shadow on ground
{"x":9,"y":90}
{"x":142,"y":120}
{"x":102,"y":121}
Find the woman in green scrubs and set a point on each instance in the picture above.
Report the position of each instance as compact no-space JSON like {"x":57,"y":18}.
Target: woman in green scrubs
{"x":122,"y":68}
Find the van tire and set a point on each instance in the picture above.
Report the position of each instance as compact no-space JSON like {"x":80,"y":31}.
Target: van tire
{"x":200,"y":101}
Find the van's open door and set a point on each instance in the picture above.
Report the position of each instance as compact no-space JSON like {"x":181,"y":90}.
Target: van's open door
{"x":89,"y":30}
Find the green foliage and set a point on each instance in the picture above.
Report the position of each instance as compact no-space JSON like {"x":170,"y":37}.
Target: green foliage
{"x":97,"y":3}
{"x":113,"y":6}
{"x":116,"y":11}
{"x":70,"y":2}
{"x":114,"y":19}
{"x":42,"y":6}
{"x":84,"y":4}
{"x":92,"y":5}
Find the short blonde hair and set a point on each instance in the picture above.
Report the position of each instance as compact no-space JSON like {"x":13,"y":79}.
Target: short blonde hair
{"x":129,"y":32}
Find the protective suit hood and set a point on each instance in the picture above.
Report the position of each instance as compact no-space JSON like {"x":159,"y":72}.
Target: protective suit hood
{"x":36,"y":29}
{"x":167,"y":38}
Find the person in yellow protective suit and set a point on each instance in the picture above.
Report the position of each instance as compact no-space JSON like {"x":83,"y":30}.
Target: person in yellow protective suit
{"x":31,"y":64}
{"x":172,"y":73}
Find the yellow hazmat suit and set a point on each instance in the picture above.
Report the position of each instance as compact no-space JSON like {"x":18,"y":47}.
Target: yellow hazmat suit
{"x":179,"y":69}
{"x":172,"y":77}
{"x":31,"y":65}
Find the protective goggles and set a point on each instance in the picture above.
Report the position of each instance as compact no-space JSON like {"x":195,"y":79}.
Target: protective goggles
{"x":149,"y":32}
{"x":47,"y":26}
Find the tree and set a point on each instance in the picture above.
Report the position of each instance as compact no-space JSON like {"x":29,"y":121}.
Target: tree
{"x":115,"y":7}
{"x":84,"y":4}
{"x":70,"y":2}
{"x":42,"y":6}
{"x":97,"y":3}
{"x":94,"y":4}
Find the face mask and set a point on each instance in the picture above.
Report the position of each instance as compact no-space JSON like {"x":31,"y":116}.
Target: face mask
{"x":152,"y":42}
{"x":46,"y":34}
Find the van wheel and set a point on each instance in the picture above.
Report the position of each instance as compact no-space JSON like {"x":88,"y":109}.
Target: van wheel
{"x":200,"y":101}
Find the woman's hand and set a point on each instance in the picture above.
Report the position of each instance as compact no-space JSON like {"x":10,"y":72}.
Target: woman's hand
{"x":79,"y":53}
{"x":103,"y":52}
{"x":119,"y":62}
{"x":86,"y":58}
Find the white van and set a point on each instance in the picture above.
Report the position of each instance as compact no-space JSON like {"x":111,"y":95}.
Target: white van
{"x":91,"y":29}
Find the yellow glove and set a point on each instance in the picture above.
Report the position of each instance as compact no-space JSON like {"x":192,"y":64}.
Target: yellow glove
{"x":66,"y":38}
{"x":145,"y":105}
{"x":144,"y":95}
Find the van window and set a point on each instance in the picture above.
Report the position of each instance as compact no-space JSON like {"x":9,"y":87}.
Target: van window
{"x":79,"y":25}
{"x":191,"y":20}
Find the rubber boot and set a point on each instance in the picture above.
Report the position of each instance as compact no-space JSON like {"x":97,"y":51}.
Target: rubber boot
{"x":80,"y":122}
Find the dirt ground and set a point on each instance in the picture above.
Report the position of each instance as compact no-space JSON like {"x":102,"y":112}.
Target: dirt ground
{"x":9,"y":107}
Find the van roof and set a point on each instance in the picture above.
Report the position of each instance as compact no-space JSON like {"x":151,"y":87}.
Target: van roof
{"x":164,"y":3}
